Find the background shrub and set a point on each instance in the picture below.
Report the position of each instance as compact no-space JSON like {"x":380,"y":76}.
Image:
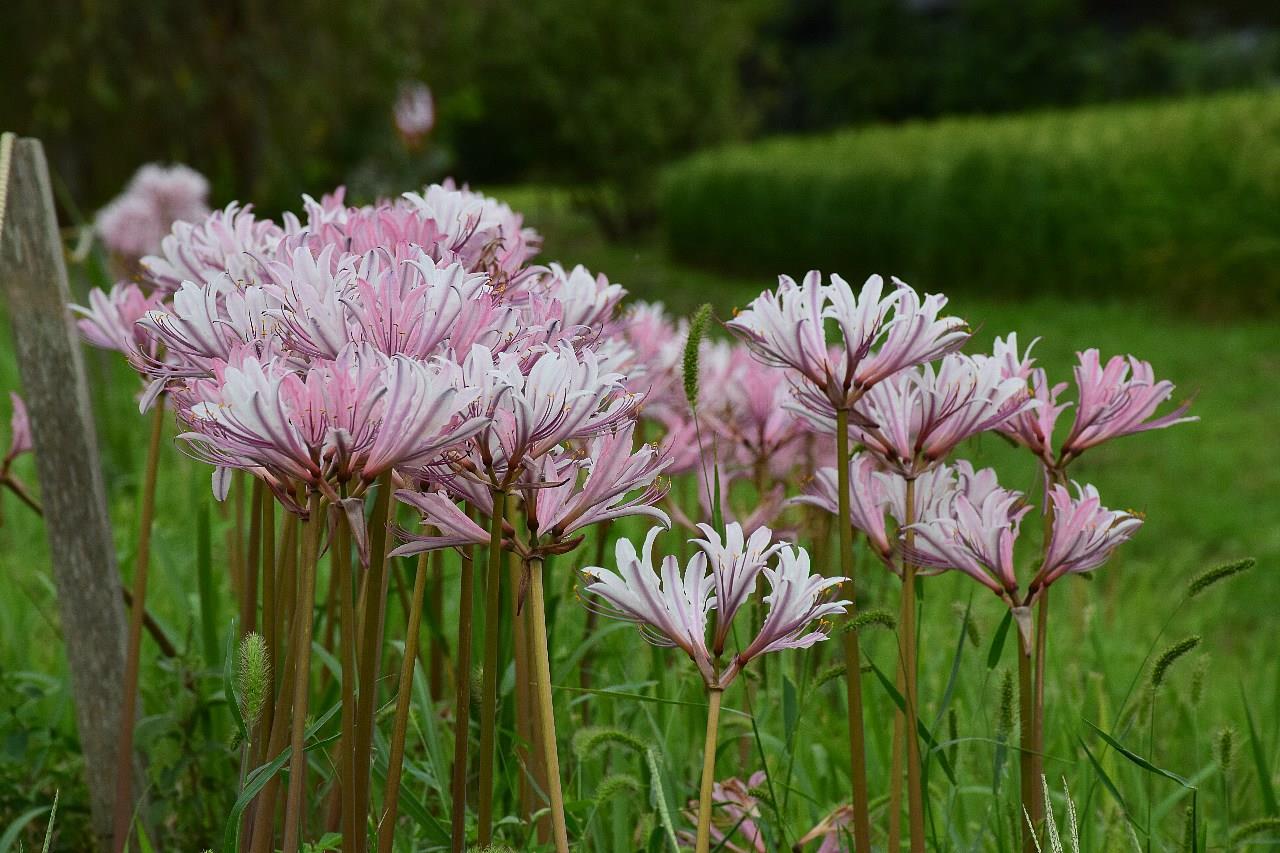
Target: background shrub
{"x":1177,"y":200}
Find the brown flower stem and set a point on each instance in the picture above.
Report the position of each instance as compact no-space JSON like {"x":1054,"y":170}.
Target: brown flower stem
{"x":16,"y":486}
{"x":435,"y":610}
{"x":896,"y":770}
{"x":907,"y":639}
{"x":1032,"y":804}
{"x":269,"y":604}
{"x":295,"y":808}
{"x":123,"y":814}
{"x":540,"y":653}
{"x":852,"y":654}
{"x":593,"y":619}
{"x":375,"y":609}
{"x":489,"y":685}
{"x":404,"y":699}
{"x":253,"y":556}
{"x":341,"y":582}
{"x":524,"y":721}
{"x":462,"y":705}
{"x":703,"y":840}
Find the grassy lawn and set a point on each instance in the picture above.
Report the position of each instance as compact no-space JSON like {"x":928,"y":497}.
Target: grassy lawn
{"x":1210,"y":491}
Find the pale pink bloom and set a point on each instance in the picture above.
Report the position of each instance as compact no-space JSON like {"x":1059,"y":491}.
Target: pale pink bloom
{"x":111,"y":321}
{"x":388,"y":226}
{"x":734,"y":818}
{"x":484,"y":232}
{"x":205,"y":323}
{"x":19,"y":432}
{"x":880,"y":335}
{"x":339,"y":421}
{"x":975,"y":537}
{"x":559,"y":505}
{"x":913,"y":420}
{"x":309,"y":290}
{"x":657,"y":346}
{"x":830,"y":830}
{"x":415,"y":112}
{"x":748,"y":409}
{"x":736,"y":564}
{"x":797,"y":599}
{"x":588,"y":300}
{"x":561,"y":397}
{"x":1118,"y":399}
{"x":1085,"y":534}
{"x":761,"y":511}
{"x":454,"y":528}
{"x":670,"y":607}
{"x":868,"y":500}
{"x":135,"y":222}
{"x":230,"y":242}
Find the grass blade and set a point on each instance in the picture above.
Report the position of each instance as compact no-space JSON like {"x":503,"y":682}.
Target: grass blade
{"x":1267,"y":790}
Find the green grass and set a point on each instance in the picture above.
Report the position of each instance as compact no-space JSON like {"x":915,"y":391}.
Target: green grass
{"x":1209,"y":491}
{"x":1175,"y":201}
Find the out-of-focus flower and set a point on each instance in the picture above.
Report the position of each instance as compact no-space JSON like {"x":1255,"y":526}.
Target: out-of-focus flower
{"x":670,"y":608}
{"x":134,"y":223}
{"x":736,"y":564}
{"x":880,"y":335}
{"x":1116,"y":400}
{"x":19,"y":433}
{"x":736,"y":812}
{"x":917,"y":417}
{"x":1085,"y":533}
{"x":415,"y":112}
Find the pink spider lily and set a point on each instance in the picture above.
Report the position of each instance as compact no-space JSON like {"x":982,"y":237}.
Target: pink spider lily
{"x":975,"y":537}
{"x":134,"y":223}
{"x":207,"y":323}
{"x":110,"y":321}
{"x":563,"y":396}
{"x":656,"y":345}
{"x":880,"y":335}
{"x":558,"y":505}
{"x":736,"y":564}
{"x":485,"y":233}
{"x":1085,"y":534}
{"x":669,"y":607}
{"x":916,"y":418}
{"x":588,"y":300}
{"x":226,"y":242}
{"x":344,"y":421}
{"x":736,"y":816}
{"x":673,"y":611}
{"x":1117,"y":400}
{"x":454,"y":528}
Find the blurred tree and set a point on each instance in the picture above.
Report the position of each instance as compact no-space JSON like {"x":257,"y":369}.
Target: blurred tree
{"x":600,"y":95}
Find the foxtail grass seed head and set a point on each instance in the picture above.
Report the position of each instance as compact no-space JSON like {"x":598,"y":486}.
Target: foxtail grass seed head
{"x":1170,"y":656}
{"x":1188,"y":829}
{"x":1004,"y":722}
{"x":1224,"y":749}
{"x":692,"y":346}
{"x":1198,"y":675}
{"x":877,"y":618}
{"x":588,"y":742}
{"x":255,"y":677}
{"x":1208,"y":578}
{"x":617,"y":784}
{"x":1256,"y":827}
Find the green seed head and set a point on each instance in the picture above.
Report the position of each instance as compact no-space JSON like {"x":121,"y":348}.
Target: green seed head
{"x":1161,"y":670}
{"x":1206,"y":579}
{"x":1004,"y":723}
{"x":255,"y":677}
{"x":1225,"y":747}
{"x":692,"y":345}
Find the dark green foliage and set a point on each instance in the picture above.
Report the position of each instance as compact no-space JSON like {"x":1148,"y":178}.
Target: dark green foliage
{"x":1176,"y":201}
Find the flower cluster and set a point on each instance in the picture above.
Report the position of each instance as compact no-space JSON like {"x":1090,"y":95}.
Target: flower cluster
{"x":673,"y":606}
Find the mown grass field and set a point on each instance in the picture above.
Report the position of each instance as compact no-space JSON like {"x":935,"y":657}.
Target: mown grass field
{"x":1209,"y":490}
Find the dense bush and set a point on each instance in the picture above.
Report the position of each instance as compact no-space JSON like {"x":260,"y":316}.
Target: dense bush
{"x":1177,"y":200}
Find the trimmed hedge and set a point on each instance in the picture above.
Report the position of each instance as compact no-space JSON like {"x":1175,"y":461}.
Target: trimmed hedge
{"x":1175,"y":201}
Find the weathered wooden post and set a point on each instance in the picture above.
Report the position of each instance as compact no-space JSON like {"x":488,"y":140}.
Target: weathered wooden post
{"x":33,"y":277}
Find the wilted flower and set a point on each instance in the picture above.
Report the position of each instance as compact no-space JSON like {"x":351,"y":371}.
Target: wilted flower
{"x":1118,"y":399}
{"x":134,"y":223}
{"x":19,"y":433}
